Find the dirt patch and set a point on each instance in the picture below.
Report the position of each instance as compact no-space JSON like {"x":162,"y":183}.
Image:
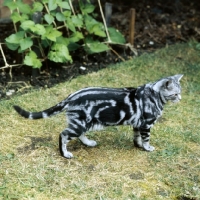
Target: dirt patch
{"x":36,"y":142}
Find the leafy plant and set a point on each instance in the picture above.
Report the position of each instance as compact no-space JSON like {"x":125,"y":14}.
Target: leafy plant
{"x":56,"y":31}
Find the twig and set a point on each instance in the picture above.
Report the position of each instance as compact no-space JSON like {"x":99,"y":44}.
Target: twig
{"x":4,"y":58}
{"x":104,"y":21}
{"x":49,"y":13}
{"x":117,"y":54}
{"x":70,"y":4}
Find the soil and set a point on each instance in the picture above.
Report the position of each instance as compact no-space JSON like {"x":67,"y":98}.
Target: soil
{"x":158,"y":23}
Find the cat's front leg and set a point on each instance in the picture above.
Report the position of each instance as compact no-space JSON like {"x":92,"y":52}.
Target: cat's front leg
{"x":145,"y":136}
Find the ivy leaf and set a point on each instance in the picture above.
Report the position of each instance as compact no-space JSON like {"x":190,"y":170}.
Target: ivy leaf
{"x":116,"y":36}
{"x":49,"y":18}
{"x":27,"y":25}
{"x":52,"y":4}
{"x":32,"y":60}
{"x":59,"y":53}
{"x":26,"y":43}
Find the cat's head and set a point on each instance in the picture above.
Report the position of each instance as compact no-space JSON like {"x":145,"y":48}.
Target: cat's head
{"x":169,"y":88}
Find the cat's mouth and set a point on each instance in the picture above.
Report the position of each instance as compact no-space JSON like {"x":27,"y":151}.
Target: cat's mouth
{"x":175,"y":101}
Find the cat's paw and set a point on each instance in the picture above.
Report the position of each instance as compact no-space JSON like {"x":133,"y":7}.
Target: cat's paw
{"x":91,"y":143}
{"x":148,"y":147}
{"x":86,"y":141}
{"x":68,"y":155}
{"x":137,"y":144}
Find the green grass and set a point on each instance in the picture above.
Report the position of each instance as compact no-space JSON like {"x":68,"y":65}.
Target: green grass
{"x":31,"y":167}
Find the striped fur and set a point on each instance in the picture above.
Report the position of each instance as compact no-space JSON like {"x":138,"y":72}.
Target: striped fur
{"x":95,"y":107}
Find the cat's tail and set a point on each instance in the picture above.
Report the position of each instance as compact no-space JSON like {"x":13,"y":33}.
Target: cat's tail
{"x":58,"y":108}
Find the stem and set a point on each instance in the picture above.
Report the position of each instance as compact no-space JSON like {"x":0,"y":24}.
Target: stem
{"x":65,"y":25}
{"x":70,"y":3}
{"x":104,"y":21}
{"x":4,"y":58}
{"x":49,"y":14}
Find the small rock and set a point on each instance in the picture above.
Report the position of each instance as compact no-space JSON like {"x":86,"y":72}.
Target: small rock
{"x":10,"y":92}
{"x":82,"y":68}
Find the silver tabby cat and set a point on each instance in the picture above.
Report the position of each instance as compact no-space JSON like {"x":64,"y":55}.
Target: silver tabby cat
{"x":95,"y":107}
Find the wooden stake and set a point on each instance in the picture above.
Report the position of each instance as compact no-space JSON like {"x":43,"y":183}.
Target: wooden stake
{"x":132,"y":26}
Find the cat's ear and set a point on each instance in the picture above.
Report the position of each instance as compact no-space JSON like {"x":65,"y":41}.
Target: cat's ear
{"x":168,"y":84}
{"x":163,"y":83}
{"x":178,"y":77}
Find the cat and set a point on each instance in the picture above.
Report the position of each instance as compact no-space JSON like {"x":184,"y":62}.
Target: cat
{"x":95,"y":107}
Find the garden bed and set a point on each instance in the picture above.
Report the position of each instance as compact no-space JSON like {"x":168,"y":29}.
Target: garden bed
{"x":157,"y":24}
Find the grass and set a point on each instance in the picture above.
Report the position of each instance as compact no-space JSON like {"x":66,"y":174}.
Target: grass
{"x":31,"y":167}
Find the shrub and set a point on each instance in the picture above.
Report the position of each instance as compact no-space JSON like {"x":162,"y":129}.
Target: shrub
{"x":52,"y":29}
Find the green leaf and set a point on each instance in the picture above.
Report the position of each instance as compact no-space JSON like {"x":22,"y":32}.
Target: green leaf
{"x":32,"y":60}
{"x":62,"y":40}
{"x":116,"y":36}
{"x":52,"y":4}
{"x":70,"y":25}
{"x":86,"y":8}
{"x":23,"y":8}
{"x":60,"y":17}
{"x":59,"y":53}
{"x":27,"y":25}
{"x":12,"y":46}
{"x":98,"y":30}
{"x":95,"y":46}
{"x":49,"y":18}
{"x":77,"y":20}
{"x":51,"y":34}
{"x":94,"y":27}
{"x":64,"y":5}
{"x":16,"y":17}
{"x":26,"y":43}
{"x":38,"y":29}
{"x":10,"y":4}
{"x":73,"y":46}
{"x":37,"y":7}
{"x":67,"y":13}
{"x":75,"y":37}
{"x":16,"y":37}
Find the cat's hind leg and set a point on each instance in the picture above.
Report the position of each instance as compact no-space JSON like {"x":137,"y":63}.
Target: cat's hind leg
{"x":137,"y":138}
{"x":63,"y":141}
